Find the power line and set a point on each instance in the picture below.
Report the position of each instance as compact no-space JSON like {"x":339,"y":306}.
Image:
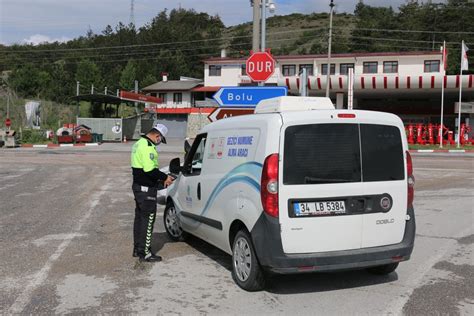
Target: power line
{"x":44,"y":59}
{"x":148,"y":52}
{"x":150,"y":45}
{"x":403,"y":40}
{"x":408,"y":31}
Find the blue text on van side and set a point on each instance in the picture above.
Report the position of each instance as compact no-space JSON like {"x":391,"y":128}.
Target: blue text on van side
{"x":242,"y":140}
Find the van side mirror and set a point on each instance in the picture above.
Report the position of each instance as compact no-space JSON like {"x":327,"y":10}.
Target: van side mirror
{"x":175,"y":166}
{"x":187,"y":147}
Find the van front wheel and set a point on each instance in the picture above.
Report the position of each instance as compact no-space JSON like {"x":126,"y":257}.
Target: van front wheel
{"x":246,"y":270}
{"x":172,"y":225}
{"x":383,"y":270}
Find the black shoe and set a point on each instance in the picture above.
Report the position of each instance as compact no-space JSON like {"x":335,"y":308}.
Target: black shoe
{"x":150,"y":258}
{"x":136,"y":252}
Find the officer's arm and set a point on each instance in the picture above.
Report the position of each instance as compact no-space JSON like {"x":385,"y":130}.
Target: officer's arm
{"x":154,"y":174}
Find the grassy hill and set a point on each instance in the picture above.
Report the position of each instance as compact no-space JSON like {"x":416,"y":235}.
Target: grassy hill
{"x":295,"y":33}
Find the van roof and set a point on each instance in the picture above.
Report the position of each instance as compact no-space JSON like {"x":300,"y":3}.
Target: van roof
{"x":285,"y":104}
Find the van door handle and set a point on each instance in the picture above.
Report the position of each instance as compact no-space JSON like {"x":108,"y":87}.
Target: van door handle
{"x":361,"y":205}
{"x":199,"y":191}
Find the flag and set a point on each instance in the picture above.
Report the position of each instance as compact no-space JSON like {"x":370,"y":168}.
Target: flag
{"x":445,"y":57}
{"x":464,"y":61}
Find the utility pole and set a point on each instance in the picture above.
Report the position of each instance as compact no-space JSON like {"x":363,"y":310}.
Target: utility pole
{"x":263,"y":12}
{"x":328,"y":78}
{"x":136,"y":103}
{"x":256,"y":26}
{"x":132,"y":12}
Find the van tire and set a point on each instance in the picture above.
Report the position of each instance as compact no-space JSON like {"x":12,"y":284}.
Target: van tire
{"x":171,"y":222}
{"x":383,"y":270}
{"x":242,"y":245}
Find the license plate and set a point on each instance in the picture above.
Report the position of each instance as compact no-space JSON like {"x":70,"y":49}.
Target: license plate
{"x":319,"y":208}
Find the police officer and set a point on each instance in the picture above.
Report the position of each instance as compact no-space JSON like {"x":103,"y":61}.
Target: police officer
{"x":146,"y":176}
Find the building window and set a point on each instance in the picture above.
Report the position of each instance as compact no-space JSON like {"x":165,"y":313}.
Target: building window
{"x":370,"y":67}
{"x":309,"y":69}
{"x":162,"y":96}
{"x":431,"y":65}
{"x":243,"y":70}
{"x":178,"y":97}
{"x":215,"y":70}
{"x":344,"y":68}
{"x":289,"y":70}
{"x":390,"y":67}
{"x":324,"y":69}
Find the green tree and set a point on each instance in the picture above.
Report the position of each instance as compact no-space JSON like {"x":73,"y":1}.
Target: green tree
{"x":128,"y":76}
{"x":148,"y":80}
{"x":88,"y":74}
{"x":25,"y":80}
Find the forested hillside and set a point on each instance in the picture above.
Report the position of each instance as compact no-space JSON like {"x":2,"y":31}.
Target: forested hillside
{"x":176,"y":41}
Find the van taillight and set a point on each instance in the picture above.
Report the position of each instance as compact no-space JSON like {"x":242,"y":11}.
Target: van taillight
{"x":410,"y":181}
{"x":269,"y":185}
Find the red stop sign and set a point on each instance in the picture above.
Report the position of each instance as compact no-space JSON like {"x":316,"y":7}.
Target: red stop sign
{"x":8,"y":122}
{"x":260,"y":66}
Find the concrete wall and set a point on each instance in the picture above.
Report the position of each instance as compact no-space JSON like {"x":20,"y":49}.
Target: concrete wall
{"x":196,"y":121}
{"x":110,"y":128}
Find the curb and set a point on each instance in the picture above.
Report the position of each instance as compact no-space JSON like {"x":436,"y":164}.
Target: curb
{"x":444,"y":151}
{"x":59,"y":145}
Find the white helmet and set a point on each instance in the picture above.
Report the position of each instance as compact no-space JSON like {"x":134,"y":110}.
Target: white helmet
{"x":162,"y":129}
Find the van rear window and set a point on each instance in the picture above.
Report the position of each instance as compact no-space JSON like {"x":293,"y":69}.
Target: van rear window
{"x":382,"y":153}
{"x":331,"y":153}
{"x":321,"y":153}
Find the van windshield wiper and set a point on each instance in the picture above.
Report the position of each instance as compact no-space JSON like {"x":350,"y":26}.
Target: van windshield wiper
{"x":312,"y":180}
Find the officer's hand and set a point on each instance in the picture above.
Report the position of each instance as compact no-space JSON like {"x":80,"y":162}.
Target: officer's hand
{"x":168,"y":181}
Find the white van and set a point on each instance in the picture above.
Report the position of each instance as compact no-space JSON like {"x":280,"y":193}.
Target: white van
{"x":298,"y":187}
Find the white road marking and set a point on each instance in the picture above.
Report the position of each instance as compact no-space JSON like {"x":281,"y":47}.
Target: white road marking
{"x":25,"y":297}
{"x":55,"y":237}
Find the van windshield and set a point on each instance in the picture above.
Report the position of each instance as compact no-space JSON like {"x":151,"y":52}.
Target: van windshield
{"x":331,"y":153}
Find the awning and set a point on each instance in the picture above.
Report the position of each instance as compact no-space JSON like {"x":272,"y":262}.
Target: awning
{"x":206,"y":89}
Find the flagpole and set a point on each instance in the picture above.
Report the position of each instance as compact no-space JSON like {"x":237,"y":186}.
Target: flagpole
{"x":440,"y":134}
{"x":460,"y":93}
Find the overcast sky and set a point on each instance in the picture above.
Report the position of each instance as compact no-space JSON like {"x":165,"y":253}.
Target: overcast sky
{"x":37,"y":21}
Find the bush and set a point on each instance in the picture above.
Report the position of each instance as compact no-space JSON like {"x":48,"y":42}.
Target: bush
{"x":30,"y":136}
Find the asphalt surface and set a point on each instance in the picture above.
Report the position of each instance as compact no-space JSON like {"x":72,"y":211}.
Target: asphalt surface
{"x":66,"y":219}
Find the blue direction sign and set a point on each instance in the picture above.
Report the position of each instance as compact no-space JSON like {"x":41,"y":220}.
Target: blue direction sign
{"x":247,"y":97}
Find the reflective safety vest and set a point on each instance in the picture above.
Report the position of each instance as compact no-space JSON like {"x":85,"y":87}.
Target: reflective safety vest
{"x":144,"y":155}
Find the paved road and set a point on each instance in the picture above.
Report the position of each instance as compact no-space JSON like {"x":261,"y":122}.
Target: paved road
{"x":65,"y":247}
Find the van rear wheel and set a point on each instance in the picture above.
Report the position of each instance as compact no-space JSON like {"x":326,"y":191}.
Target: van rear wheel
{"x":246,"y":270}
{"x":383,"y":270}
{"x":172,"y":225}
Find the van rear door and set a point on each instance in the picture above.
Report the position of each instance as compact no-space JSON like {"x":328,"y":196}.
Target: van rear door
{"x":383,"y":165}
{"x":321,"y":170}
{"x":342,"y":184}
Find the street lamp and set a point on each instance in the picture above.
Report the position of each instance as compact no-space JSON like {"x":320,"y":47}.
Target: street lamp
{"x":257,"y":7}
{"x":271,"y":5}
{"x":331,"y":5}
